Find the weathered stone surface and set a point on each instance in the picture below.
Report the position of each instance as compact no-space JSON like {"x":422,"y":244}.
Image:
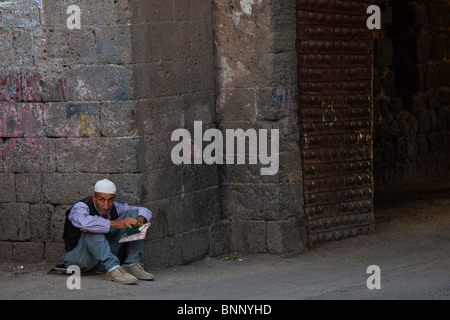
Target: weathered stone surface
{"x":36,"y":155}
{"x":72,"y":120}
{"x":249,"y":236}
{"x":206,"y":207}
{"x":220,"y":234}
{"x":438,"y":47}
{"x":158,"y":228}
{"x":99,"y":83}
{"x":179,"y":215}
{"x":10,"y":86}
{"x":159,"y":116}
{"x":118,"y":119}
{"x":50,"y":83}
{"x":6,"y":251}
{"x":24,"y":13}
{"x":54,"y":252}
{"x":284,"y":236}
{"x":22,"y":120}
{"x":14,"y":222}
{"x":128,"y":188}
{"x":44,"y":83}
{"x":113,"y":44}
{"x":157,"y":186}
{"x":103,"y":155}
{"x":163,"y":252}
{"x":27,"y":252}
{"x":57,"y":220}
{"x":29,"y":187}
{"x":68,"y":188}
{"x":59,"y":46}
{"x":420,"y":72}
{"x":100,"y":12}
{"x":240,"y":202}
{"x":40,"y":216}
{"x":444,"y":71}
{"x":198,"y":177}
{"x":16,"y":47}
{"x":7,"y":188}
{"x":195,"y":244}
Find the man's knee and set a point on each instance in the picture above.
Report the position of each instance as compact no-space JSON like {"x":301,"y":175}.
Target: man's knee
{"x":94,"y":238}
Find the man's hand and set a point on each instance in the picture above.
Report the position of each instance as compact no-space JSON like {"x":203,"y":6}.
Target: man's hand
{"x":141,"y":221}
{"x":124,"y":223}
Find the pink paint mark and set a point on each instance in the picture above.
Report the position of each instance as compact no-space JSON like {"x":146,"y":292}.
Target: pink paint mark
{"x":61,"y":84}
{"x":31,"y":87}
{"x":286,"y":100}
{"x":33,"y":144}
{"x":281,"y":92}
{"x":22,"y":119}
{"x":18,"y":87}
{"x":11,"y":112}
{"x":28,"y":92}
{"x":3,"y":79}
{"x":9,"y":92}
{"x":28,"y":119}
{"x":3,"y":125}
{"x":6,"y":149}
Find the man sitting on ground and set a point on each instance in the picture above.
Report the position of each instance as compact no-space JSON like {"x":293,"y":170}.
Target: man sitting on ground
{"x":92,"y":231}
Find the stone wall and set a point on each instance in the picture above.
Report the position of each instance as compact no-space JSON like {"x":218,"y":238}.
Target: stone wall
{"x":411,"y":90}
{"x":256,"y":88}
{"x":100,"y":102}
{"x":60,"y":93}
{"x":103,"y":101}
{"x":172,"y":46}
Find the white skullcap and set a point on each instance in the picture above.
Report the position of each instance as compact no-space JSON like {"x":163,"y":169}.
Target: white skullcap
{"x":105,"y":186}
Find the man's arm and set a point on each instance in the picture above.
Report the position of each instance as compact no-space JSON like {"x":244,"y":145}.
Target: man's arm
{"x":124,"y":223}
{"x":80,"y":218}
{"x":144,"y":214}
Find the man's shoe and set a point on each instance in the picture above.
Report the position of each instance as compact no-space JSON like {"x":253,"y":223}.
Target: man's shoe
{"x":138,"y":271}
{"x":119,"y":275}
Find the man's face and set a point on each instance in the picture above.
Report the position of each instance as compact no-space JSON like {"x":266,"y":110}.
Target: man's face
{"x":104,"y":202}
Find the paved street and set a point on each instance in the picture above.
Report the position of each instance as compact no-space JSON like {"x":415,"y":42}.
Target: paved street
{"x":411,"y":246}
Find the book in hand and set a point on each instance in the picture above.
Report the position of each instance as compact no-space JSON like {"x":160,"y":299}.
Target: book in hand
{"x":135,"y":234}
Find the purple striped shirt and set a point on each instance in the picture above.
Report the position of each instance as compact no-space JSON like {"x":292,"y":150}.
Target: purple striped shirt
{"x":80,"y":218}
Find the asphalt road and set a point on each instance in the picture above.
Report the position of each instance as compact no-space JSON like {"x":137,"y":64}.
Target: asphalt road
{"x":411,"y":246}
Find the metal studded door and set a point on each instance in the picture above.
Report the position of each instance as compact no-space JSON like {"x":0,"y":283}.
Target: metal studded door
{"x":335,"y":49}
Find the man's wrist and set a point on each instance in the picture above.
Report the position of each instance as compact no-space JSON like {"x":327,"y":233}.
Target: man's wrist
{"x":142,"y":219}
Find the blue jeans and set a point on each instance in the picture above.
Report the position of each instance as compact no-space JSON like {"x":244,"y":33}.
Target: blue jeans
{"x":100,"y":252}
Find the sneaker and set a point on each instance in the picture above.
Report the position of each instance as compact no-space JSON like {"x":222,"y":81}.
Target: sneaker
{"x":138,"y":271}
{"x":119,"y":275}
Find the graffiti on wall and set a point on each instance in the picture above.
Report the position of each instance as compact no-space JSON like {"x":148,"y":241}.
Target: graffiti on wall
{"x":285,"y":94}
{"x":25,"y":112}
{"x":329,"y":116}
{"x":30,"y":87}
{"x":10,"y":87}
{"x":22,"y":119}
